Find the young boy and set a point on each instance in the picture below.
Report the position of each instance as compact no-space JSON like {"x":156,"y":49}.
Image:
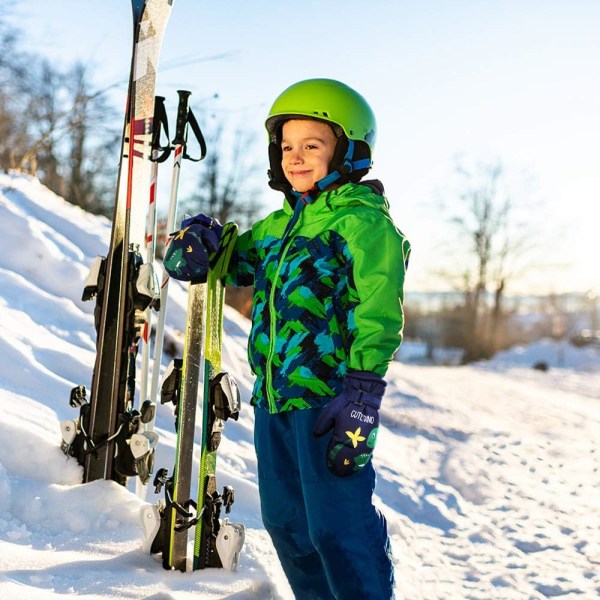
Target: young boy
{"x":328,"y":273}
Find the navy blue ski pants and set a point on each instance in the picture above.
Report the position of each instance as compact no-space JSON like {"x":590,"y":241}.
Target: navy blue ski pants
{"x":331,"y":541}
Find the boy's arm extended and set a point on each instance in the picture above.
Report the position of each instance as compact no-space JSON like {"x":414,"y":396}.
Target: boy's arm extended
{"x":380,"y":256}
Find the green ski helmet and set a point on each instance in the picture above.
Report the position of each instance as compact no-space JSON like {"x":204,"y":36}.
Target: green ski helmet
{"x":346,"y":111}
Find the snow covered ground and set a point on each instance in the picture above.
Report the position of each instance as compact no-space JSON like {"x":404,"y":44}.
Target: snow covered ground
{"x":488,"y":474}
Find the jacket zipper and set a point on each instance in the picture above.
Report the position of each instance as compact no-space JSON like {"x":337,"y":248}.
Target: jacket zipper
{"x":273,"y":332}
{"x":286,"y":243}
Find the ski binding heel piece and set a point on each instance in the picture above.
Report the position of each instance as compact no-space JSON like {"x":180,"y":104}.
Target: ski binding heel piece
{"x":230,"y":541}
{"x":134,"y":448}
{"x":75,"y":441}
{"x":142,"y":443}
{"x":68,"y":430}
{"x":142,"y":446}
{"x":150,"y":519}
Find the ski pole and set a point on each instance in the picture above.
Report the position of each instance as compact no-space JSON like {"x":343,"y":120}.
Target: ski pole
{"x":159,"y":155}
{"x":185,"y":116}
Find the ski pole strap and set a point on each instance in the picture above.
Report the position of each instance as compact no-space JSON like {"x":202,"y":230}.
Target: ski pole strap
{"x":186,"y":117}
{"x":160,"y":123}
{"x":191,"y":119}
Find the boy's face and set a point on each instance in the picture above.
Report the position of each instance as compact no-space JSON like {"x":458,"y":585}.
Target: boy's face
{"x":307,"y":147}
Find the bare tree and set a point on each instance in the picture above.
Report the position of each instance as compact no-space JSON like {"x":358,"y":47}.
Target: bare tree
{"x":227,"y":186}
{"x":493,"y":244}
{"x":69,"y":141}
{"x":45,"y":102}
{"x":91,"y":145}
{"x":54,"y":125}
{"x":14,"y":89}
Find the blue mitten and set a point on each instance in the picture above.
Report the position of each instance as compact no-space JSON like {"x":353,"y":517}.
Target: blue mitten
{"x":354,"y":418}
{"x":187,"y":255}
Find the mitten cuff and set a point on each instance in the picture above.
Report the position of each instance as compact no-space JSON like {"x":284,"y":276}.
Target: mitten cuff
{"x":365,"y":386}
{"x":205,"y":221}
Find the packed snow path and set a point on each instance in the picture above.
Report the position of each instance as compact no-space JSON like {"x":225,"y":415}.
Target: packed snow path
{"x":499,"y":493}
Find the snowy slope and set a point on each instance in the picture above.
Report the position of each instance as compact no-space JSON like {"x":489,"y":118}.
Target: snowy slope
{"x":488,"y":474}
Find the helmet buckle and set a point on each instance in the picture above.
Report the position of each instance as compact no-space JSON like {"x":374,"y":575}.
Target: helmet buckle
{"x":346,"y":168}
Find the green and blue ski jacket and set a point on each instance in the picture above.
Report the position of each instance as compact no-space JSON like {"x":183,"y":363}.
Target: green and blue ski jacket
{"x":328,"y":291}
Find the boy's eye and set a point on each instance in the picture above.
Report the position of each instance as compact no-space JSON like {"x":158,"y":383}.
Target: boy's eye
{"x":288,"y":147}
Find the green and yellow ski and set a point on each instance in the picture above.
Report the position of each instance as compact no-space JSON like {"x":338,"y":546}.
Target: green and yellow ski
{"x":217,"y":542}
{"x":221,"y":402}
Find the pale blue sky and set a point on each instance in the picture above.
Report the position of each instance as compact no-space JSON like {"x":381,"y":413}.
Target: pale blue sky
{"x":510,"y":80}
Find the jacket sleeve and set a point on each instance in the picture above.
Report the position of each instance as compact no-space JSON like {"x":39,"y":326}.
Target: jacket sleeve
{"x":243,"y":261}
{"x":379,"y":255}
{"x":246,"y":255}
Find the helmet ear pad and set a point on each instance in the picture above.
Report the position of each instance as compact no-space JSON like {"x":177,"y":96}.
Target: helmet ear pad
{"x":338,"y":162}
{"x":361,"y":151}
{"x":277,"y":179}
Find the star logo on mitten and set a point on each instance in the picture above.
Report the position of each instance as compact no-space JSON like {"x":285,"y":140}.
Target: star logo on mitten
{"x":180,"y":234}
{"x":355,"y":437}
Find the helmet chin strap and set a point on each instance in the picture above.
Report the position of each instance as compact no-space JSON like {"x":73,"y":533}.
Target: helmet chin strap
{"x":347,"y":167}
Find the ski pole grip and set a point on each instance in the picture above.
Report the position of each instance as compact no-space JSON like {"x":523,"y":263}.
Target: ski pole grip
{"x":182,"y":117}
{"x":160,"y":125}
